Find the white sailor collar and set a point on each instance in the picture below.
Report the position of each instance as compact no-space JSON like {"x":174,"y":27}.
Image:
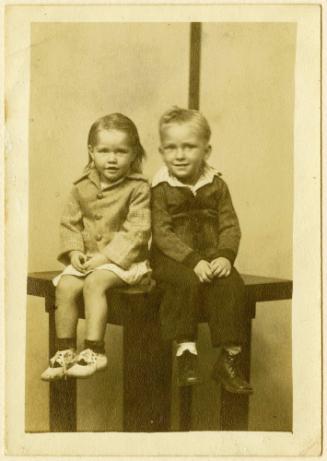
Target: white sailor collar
{"x":207,"y":177}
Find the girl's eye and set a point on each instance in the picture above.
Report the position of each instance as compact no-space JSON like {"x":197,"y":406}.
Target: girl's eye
{"x":106,"y":151}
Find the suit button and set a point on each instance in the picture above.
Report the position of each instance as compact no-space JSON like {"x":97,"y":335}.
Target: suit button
{"x":98,"y":237}
{"x":98,"y":216}
{"x":99,"y":195}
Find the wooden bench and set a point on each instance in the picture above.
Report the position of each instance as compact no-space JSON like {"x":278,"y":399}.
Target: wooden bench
{"x":147,"y":361}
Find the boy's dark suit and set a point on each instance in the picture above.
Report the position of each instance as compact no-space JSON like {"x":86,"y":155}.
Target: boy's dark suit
{"x":189,"y":226}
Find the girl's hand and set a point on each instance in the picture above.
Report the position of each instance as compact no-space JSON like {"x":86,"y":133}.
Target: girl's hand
{"x":221,"y":267}
{"x":96,"y":260}
{"x":203,"y":271}
{"x":77,"y":260}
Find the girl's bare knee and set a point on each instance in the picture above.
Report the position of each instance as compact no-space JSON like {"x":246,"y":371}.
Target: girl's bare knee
{"x":93,"y":284}
{"x":68,"y":288}
{"x":98,"y":283}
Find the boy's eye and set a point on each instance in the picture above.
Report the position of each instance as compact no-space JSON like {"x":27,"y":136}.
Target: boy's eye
{"x":169,"y":147}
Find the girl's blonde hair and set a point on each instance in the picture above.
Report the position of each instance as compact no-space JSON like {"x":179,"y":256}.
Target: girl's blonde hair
{"x":119,"y":122}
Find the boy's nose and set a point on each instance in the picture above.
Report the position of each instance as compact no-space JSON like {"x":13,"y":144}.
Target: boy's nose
{"x":179,"y":153}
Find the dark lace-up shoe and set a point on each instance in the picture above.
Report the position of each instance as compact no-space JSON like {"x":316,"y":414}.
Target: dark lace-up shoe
{"x":227,"y":373}
{"x":188,"y":369}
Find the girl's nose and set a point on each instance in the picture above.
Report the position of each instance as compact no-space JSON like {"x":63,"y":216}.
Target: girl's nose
{"x":111,"y":157}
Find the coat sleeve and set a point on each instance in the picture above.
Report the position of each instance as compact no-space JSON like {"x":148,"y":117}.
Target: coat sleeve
{"x":229,"y":228}
{"x":163,"y":234}
{"x":130,"y":243}
{"x":71,"y":227}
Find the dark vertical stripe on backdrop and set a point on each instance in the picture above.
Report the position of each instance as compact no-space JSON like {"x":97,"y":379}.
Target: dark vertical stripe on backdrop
{"x":195,"y":58}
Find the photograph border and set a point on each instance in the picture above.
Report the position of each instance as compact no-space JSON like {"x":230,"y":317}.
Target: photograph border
{"x":306,"y":438}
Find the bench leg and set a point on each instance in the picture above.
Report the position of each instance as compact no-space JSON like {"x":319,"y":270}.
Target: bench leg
{"x":185,"y":408}
{"x":234,"y":411}
{"x":62,"y":394}
{"x":147,"y":372}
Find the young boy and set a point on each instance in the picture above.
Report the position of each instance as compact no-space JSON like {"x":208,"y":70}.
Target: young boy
{"x":196,"y":236}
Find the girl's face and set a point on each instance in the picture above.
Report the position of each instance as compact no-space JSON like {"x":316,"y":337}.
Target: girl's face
{"x":112,"y":155}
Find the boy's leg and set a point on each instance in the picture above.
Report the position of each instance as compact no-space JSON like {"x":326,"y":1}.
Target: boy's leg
{"x":179,"y":314}
{"x":180,"y":302}
{"x":225,"y":304}
{"x":187,"y":300}
{"x":93,"y":358}
{"x":66,"y":317}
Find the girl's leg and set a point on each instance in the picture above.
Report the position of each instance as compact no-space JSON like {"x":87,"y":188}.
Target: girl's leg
{"x":92,"y":358}
{"x":67,"y":292}
{"x":95,"y":300}
{"x":66,"y":317}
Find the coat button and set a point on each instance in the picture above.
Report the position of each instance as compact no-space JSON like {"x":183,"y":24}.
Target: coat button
{"x":99,"y":195}
{"x":98,"y":216}
{"x":98,"y":237}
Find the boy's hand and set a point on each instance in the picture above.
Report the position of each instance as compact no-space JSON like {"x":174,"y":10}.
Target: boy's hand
{"x":221,"y":267}
{"x":203,"y":271}
{"x":77,"y":260}
{"x":96,"y":260}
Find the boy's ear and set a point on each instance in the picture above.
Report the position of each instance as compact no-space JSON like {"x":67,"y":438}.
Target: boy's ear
{"x":208,"y":151}
{"x":160,"y":149}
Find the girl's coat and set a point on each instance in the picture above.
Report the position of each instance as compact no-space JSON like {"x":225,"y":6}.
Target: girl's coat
{"x":114,"y":220}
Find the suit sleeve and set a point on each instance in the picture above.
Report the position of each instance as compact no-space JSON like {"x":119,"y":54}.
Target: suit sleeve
{"x":229,"y":228}
{"x":71,"y":227}
{"x":163,"y":233}
{"x":131,"y":241}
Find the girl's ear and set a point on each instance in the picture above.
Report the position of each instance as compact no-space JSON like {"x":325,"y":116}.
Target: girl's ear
{"x":160,"y":149}
{"x":91,"y":154}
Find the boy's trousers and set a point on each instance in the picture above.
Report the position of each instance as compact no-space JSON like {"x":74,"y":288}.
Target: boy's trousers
{"x":222,"y":301}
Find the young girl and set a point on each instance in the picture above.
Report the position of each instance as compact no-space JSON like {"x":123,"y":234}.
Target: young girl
{"x":104,"y":235}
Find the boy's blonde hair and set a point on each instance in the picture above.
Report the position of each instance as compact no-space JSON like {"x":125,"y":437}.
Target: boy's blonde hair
{"x":178,"y":115}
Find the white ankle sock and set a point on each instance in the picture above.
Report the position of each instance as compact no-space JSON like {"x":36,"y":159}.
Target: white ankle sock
{"x":233,"y":350}
{"x":189,"y":346}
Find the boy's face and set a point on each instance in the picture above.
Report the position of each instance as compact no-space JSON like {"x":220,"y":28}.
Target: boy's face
{"x":184,"y":151}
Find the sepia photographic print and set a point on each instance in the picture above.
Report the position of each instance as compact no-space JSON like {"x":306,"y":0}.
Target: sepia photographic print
{"x":167,"y":158}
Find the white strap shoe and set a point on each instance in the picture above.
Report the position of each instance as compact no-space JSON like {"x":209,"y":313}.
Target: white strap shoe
{"x":59,"y":364}
{"x":86,"y":364}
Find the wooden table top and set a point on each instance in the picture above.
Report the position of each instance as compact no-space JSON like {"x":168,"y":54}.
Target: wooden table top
{"x":259,"y":288}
